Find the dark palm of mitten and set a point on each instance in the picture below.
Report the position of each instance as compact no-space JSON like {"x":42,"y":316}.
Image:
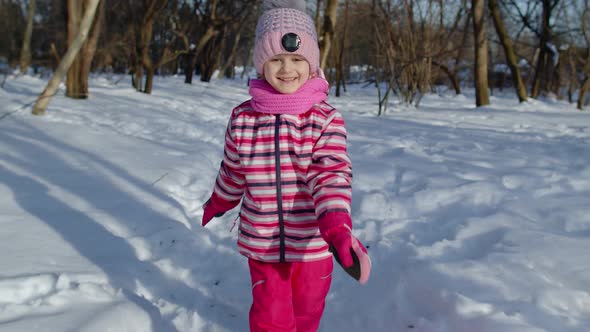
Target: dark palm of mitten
{"x":351,"y":255}
{"x":353,"y":270}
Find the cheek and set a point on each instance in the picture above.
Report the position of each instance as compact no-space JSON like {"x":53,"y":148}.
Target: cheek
{"x":303,"y":70}
{"x":307,"y":74}
{"x":268,"y":70}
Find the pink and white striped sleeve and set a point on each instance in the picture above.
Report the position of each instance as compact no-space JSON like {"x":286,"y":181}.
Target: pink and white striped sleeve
{"x":230,"y":182}
{"x":330,"y":174}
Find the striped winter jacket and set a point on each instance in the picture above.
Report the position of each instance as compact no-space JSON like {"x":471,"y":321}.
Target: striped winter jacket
{"x":307,"y":154}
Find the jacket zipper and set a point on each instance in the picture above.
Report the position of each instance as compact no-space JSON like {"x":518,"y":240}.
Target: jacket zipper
{"x":278,"y":185}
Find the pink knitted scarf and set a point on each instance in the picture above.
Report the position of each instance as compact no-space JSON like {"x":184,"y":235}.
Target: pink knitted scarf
{"x":266,"y":99}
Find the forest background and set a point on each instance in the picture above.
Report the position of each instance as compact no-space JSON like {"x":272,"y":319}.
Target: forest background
{"x":406,"y":48}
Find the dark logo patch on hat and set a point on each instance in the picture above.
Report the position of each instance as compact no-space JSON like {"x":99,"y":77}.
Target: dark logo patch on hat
{"x":291,"y":42}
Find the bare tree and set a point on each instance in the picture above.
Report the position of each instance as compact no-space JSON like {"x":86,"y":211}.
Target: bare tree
{"x":116,"y":41}
{"x":538,"y":17}
{"x":413,"y":39}
{"x":564,"y":75}
{"x":481,"y":53}
{"x":339,"y":59}
{"x":455,"y":63}
{"x":25,"y":54}
{"x":171,"y":41}
{"x":12,"y":21}
{"x":586,"y":82}
{"x":77,"y":76}
{"x":146,"y":30}
{"x":213,"y":28}
{"x":318,"y":17}
{"x":327,"y":34}
{"x":238,"y":30}
{"x":567,"y":63}
{"x":508,"y":50}
{"x":541,"y":75}
{"x":384,"y":54}
{"x":66,"y":62}
{"x":220,"y":17}
{"x":160,"y":35}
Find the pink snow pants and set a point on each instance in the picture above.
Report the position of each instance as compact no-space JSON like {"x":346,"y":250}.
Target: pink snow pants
{"x":289,"y":297}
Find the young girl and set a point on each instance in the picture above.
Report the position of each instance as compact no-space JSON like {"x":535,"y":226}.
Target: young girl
{"x":285,"y":158}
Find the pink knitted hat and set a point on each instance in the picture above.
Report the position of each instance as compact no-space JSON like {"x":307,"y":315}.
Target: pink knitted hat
{"x":285,"y":28}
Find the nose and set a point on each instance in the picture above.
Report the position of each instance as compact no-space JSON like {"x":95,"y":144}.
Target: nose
{"x":286,"y":65}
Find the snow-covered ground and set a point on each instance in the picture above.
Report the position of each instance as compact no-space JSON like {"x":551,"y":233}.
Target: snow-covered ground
{"x":476,"y":220}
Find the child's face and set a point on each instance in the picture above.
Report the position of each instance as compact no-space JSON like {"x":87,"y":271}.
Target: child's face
{"x":286,"y":72}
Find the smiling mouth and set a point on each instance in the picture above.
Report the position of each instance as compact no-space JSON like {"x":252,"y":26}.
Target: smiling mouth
{"x":288,"y":80}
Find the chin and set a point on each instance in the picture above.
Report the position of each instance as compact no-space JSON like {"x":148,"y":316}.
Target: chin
{"x":289,"y":91}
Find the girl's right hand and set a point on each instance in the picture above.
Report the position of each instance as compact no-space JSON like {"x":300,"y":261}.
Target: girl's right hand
{"x":210,"y":211}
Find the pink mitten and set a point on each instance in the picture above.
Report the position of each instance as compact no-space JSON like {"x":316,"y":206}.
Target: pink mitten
{"x":349,"y":252}
{"x":216,"y":207}
{"x":209,"y":212}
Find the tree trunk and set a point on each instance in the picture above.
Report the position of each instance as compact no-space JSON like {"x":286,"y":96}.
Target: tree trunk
{"x":231,"y":57}
{"x":248,"y":61}
{"x":209,"y":59}
{"x":149,"y":79}
{"x":583,"y":91}
{"x":75,"y":12}
{"x":55,"y":53}
{"x":557,"y":75}
{"x":328,"y":29}
{"x":318,"y":17}
{"x":205,"y":38}
{"x":77,"y":76}
{"x":508,"y":50}
{"x":25,"y":53}
{"x":340,"y":76}
{"x":212,"y":30}
{"x":90,"y":46}
{"x":189,"y":67}
{"x":572,"y":74}
{"x":586,"y":84}
{"x":543,"y":60}
{"x":451,"y":75}
{"x":144,"y":60}
{"x":64,"y":65}
{"x":481,"y":53}
{"x":236,"y":42}
{"x":138,"y":76}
